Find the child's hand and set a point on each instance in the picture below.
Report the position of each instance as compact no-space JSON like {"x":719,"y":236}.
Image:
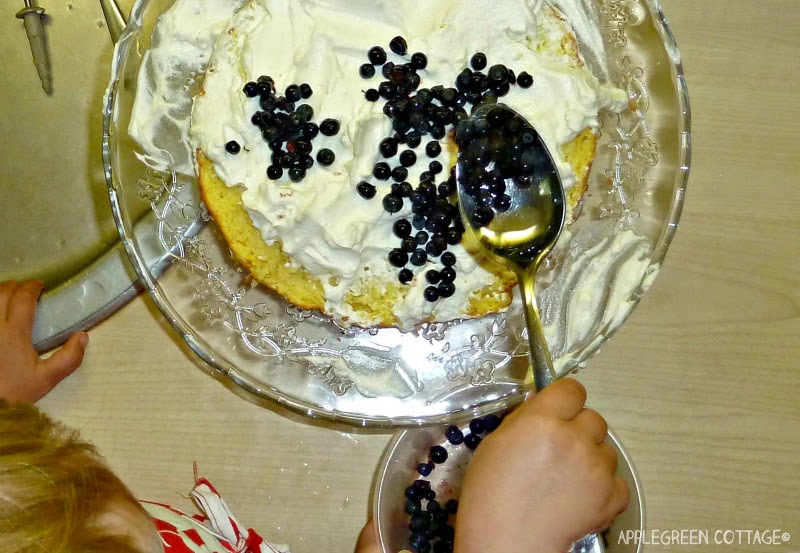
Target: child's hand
{"x":367,"y":541}
{"x":23,"y":375}
{"x":542,"y":480}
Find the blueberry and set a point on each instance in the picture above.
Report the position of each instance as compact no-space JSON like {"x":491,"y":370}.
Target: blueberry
{"x":326,"y":156}
{"x":419,"y":257}
{"x":418,"y":541}
{"x":306,"y":91}
{"x":431,"y":294}
{"x":310,"y":131}
{"x":381,"y":171}
{"x":448,"y":259}
{"x":429,"y":494}
{"x":399,"y":173}
{"x":453,"y":236}
{"x":413,"y":140}
{"x":405,"y":276}
{"x":478,"y":61}
{"x":408,"y":244}
{"x":433,"y":506}
{"x":250,"y":89}
{"x":435,"y":167}
{"x":264,"y":88}
{"x":434,"y":251}
{"x":446,"y":289}
{"x":412,"y":492}
{"x":367,"y":71}
{"x":432,"y":276}
{"x":389,"y":91}
{"x":329,"y":127}
{"x":398,"y":257}
{"x":421,"y":484}
{"x":491,"y":422}
{"x":408,"y":158}
{"x":502,"y":203}
{"x":448,"y":274}
{"x":377,"y":55}
{"x":465,"y":130}
{"x":476,"y":426}
{"x":418,"y":222}
{"x":305,"y":112}
{"x":292,"y":93}
{"x":472,"y":441}
{"x":412,"y":506}
{"x":419,"y":60}
{"x":393,"y":204}
{"x":419,"y":522}
{"x":366,"y":190}
{"x":451,"y":506}
{"x":424,"y":469}
{"x":402,"y":228}
{"x":274,"y":172}
{"x":454,"y":435}
{"x":296,"y":174}
{"x":233,"y":147}
{"x":388,"y":147}
{"x":525,"y":80}
{"x":438,"y":454}
{"x":433,"y":148}
{"x":482,"y":216}
{"x":421,"y":237}
{"x":398,"y":45}
{"x":372,"y":95}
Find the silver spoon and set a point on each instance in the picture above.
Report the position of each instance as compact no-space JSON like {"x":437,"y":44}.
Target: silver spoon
{"x":512,"y":202}
{"x":114,"y":19}
{"x":530,"y":215}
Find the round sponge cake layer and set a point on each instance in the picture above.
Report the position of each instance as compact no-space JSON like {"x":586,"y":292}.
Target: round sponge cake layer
{"x":373,"y":300}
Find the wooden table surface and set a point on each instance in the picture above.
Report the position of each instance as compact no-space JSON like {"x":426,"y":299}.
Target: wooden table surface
{"x":701,"y":383}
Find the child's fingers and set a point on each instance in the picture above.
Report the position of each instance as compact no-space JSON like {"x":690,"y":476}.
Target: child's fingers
{"x":64,"y":361}
{"x":620,"y":498}
{"x":609,"y":457}
{"x":591,"y":423}
{"x":22,"y":304}
{"x":565,"y":397}
{"x":6,"y":291}
{"x":367,"y":542}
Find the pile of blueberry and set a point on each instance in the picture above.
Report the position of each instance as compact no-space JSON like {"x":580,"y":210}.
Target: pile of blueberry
{"x":419,"y":114}
{"x":497,"y":150}
{"x":287,"y":128}
{"x":428,"y":518}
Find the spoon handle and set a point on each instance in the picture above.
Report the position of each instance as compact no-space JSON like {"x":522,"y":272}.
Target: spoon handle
{"x":541,"y":362}
{"x":115,"y":21}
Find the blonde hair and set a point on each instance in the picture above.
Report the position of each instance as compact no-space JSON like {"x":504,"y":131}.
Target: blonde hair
{"x":53,"y":488}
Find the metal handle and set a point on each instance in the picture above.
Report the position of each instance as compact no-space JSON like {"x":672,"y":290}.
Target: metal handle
{"x":114,"y":19}
{"x":541,"y":362}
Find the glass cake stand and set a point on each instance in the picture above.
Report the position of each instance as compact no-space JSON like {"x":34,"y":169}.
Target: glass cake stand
{"x":384,"y":377}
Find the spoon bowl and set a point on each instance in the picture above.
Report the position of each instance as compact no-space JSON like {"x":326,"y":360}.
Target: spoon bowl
{"x":512,"y":202}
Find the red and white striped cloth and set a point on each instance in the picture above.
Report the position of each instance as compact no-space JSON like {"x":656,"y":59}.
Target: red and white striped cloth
{"x":214,"y":530}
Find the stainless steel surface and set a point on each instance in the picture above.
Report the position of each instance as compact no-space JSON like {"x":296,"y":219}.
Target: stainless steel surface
{"x":114,"y":20}
{"x":520,"y":236}
{"x":57,"y":224}
{"x":31,"y":16}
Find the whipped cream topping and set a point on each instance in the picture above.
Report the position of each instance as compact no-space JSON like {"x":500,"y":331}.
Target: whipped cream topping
{"x":321,"y":222}
{"x":181,"y":46}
